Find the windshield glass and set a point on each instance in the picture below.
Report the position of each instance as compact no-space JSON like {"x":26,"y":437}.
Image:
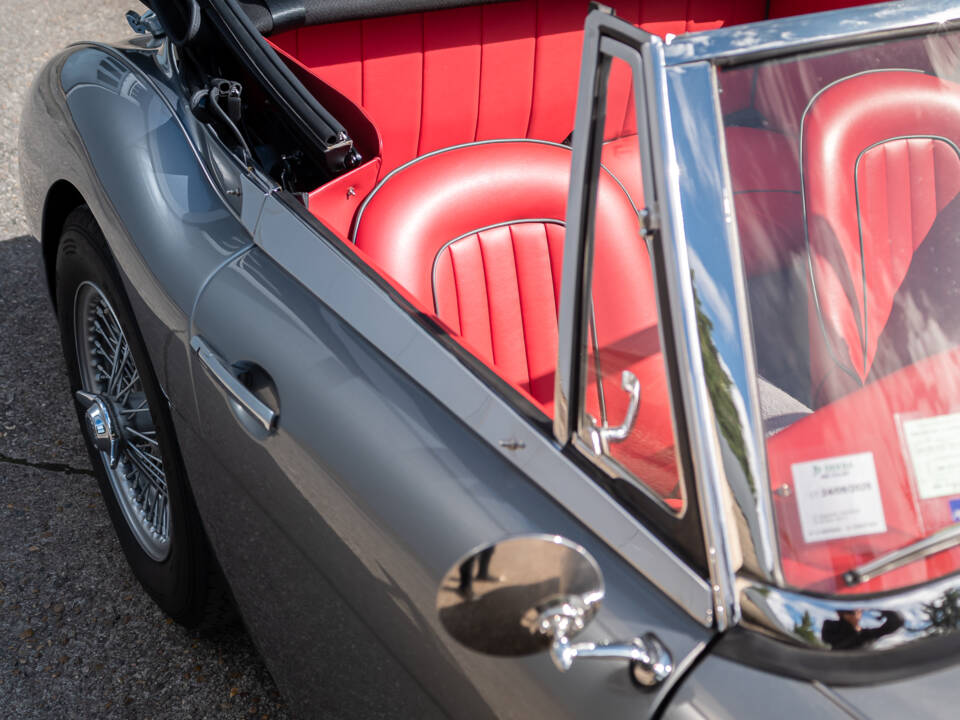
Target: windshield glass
{"x":846,"y":170}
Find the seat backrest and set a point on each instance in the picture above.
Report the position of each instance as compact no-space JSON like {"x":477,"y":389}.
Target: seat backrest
{"x":483,"y":246}
{"x":880,"y":160}
{"x":504,"y":70}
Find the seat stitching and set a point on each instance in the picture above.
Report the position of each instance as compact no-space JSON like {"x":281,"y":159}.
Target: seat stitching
{"x":477,"y":231}
{"x":456,"y":294}
{"x":486,"y":291}
{"x":533,"y":78}
{"x":546,"y":240}
{"x":523,"y":325}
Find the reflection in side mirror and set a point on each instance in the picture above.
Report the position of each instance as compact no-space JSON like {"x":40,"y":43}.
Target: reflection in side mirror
{"x":537,"y":592}
{"x":494,"y":600}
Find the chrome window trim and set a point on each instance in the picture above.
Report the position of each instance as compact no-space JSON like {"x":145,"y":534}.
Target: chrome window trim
{"x":710,"y":477}
{"x":818,"y":31}
{"x":759,"y":600}
{"x":573,"y":425}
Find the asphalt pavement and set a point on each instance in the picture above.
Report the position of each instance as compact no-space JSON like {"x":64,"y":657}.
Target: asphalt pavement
{"x":78,"y":636}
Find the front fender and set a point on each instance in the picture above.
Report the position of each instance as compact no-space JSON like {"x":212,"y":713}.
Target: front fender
{"x":112,"y":123}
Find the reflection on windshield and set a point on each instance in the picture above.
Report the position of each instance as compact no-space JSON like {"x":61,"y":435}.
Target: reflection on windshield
{"x":846,"y":176}
{"x":720,"y":385}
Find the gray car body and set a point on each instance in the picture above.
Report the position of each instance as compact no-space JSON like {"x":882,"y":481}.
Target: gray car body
{"x":387,"y":466}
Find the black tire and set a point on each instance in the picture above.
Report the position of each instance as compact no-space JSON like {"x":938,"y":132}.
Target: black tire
{"x":187,"y":583}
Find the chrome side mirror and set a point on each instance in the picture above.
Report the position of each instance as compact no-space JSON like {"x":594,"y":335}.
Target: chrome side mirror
{"x":533,"y":593}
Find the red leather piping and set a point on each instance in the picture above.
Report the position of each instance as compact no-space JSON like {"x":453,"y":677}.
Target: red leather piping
{"x":629,"y":192}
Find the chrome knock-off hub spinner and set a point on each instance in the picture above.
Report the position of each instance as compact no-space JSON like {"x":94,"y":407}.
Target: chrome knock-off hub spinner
{"x":118,"y":421}
{"x":101,"y":427}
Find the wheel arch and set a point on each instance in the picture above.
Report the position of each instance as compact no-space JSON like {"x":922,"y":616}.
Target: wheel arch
{"x":62,"y":198}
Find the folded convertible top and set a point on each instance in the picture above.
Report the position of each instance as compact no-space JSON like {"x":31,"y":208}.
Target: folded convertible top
{"x":273,"y":16}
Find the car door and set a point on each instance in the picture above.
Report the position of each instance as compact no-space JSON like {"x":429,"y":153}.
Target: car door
{"x":346,"y":455}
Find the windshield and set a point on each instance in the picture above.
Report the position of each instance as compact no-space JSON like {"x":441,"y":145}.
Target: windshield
{"x":845,"y":168}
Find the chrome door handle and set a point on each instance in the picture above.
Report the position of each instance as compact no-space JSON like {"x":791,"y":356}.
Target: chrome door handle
{"x":265,"y":415}
{"x":602,"y":435}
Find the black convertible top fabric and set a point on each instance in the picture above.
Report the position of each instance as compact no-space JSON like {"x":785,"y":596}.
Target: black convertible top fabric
{"x":273,"y":16}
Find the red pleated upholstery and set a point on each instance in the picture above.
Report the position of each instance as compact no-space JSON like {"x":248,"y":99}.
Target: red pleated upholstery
{"x":447,"y":77}
{"x":879,"y":162}
{"x":500,"y":289}
{"x":491,"y":268}
{"x":483,"y":246}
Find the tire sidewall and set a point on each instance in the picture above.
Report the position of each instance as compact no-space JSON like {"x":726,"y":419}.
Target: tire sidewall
{"x":174,"y":583}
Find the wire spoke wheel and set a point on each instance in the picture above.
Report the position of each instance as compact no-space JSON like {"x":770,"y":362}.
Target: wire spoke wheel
{"x":119,"y":421}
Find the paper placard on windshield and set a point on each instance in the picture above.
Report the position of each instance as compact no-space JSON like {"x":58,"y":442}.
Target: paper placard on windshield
{"x":838,"y":497}
{"x":934,"y":447}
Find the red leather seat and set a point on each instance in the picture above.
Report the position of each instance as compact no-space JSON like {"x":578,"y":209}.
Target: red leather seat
{"x":476,"y":233}
{"x":880,"y":160}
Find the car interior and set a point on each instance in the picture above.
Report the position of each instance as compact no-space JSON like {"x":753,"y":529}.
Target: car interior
{"x":462,"y":119}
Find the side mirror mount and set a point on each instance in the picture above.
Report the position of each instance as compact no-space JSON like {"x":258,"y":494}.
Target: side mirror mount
{"x":533,"y":593}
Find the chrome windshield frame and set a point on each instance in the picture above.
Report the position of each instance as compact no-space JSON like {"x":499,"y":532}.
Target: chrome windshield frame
{"x":818,"y":31}
{"x":710,"y":319}
{"x":707,"y":281}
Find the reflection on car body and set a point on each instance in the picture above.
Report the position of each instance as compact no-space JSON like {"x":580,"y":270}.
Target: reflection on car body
{"x":465,"y":345}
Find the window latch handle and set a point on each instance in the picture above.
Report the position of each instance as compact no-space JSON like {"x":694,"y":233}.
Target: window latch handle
{"x":602,"y":435}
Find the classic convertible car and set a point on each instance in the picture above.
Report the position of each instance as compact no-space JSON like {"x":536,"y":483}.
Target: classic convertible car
{"x":461,"y":345}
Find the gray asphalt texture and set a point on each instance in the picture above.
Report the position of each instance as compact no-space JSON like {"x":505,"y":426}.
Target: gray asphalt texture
{"x":78,"y":636}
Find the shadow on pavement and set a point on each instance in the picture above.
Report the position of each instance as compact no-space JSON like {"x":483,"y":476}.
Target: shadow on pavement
{"x":78,"y":636}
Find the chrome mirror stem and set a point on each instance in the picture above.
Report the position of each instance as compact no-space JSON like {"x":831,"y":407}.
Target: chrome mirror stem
{"x":650,"y":661}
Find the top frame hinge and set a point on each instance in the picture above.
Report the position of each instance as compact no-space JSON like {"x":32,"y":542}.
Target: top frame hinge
{"x":146,"y":23}
{"x":649,"y":221}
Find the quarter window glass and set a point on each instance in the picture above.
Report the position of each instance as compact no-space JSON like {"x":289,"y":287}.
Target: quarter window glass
{"x":626,"y":416}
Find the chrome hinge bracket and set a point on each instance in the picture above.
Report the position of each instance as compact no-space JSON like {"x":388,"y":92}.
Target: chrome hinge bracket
{"x":649,"y":221}
{"x":146,"y":23}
